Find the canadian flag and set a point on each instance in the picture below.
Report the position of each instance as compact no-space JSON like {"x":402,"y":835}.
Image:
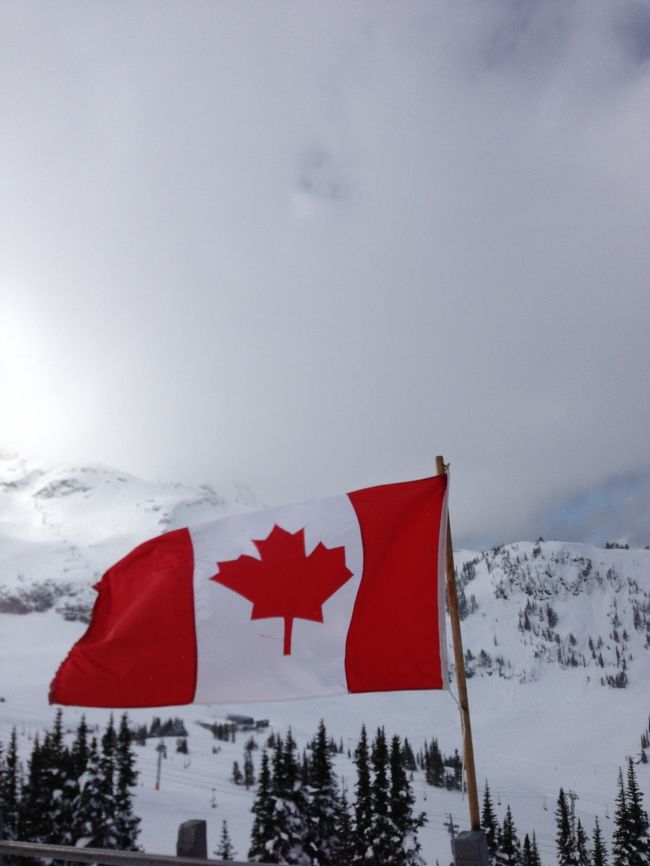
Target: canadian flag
{"x":344,"y":594}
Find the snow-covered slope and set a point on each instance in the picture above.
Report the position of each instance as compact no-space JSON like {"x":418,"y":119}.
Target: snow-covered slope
{"x":556,"y":634}
{"x":61,"y":528}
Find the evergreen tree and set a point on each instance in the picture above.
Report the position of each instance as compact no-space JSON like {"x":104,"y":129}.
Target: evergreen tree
{"x":61,"y":785}
{"x":91,"y":807}
{"x":287,"y":807}
{"x":383,"y":834}
{"x":363,"y":803}
{"x":249,"y":769}
{"x":107,"y":831}
{"x":434,"y":765}
{"x":536,"y":859}
{"x":345,"y":841}
{"x":637,"y":821}
{"x":454,"y":781}
{"x":45,"y":813}
{"x":297,"y":806}
{"x":508,"y":847}
{"x":33,"y":813}
{"x":262,"y":831}
{"x":621,"y":835}
{"x":224,"y":850}
{"x":10,"y":786}
{"x":79,"y":752}
{"x":564,"y":837}
{"x":490,"y":824}
{"x":598,"y":852}
{"x":582,"y":857}
{"x":237,"y":775}
{"x":126,"y":823}
{"x":304,"y":770}
{"x":405,"y":823}
{"x":527,"y":852}
{"x":323,"y":805}
{"x":409,"y":757}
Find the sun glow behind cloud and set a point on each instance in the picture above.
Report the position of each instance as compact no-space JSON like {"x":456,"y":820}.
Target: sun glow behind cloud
{"x":48,"y":394}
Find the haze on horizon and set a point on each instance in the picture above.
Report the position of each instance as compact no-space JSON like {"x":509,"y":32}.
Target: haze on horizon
{"x":309,"y":246}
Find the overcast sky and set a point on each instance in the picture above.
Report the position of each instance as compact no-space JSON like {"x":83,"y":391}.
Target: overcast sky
{"x":307,"y":246}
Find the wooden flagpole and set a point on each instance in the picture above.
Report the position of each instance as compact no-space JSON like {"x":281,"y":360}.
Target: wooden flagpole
{"x":459,"y":662}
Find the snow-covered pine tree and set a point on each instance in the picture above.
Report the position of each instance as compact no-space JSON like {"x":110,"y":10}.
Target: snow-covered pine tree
{"x":249,"y":769}
{"x":564,"y":841}
{"x":10,"y":788}
{"x":508,"y":850}
{"x":126,"y":777}
{"x":401,"y":802}
{"x":107,"y":783}
{"x":384,"y":838}
{"x":262,"y":831}
{"x":323,"y":803}
{"x":489,"y":823}
{"x":79,"y":751}
{"x":598,"y":852}
{"x":409,"y":757}
{"x":225,"y":850}
{"x":363,"y":803}
{"x":527,"y":852}
{"x":304,"y":768}
{"x":582,"y":857}
{"x":536,"y":859}
{"x":288,"y":807}
{"x":637,"y":820}
{"x":45,"y":813}
{"x":61,"y":783}
{"x":434,"y":766}
{"x":297,"y":803}
{"x":621,"y":835}
{"x":32,"y":816}
{"x":345,"y":841}
{"x":454,"y":781}
{"x":91,"y":806}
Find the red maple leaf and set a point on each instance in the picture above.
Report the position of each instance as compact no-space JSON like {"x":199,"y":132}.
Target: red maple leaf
{"x":285,"y":582}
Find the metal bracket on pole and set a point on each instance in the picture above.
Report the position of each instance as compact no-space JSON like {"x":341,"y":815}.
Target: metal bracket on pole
{"x":192,"y":839}
{"x":470,"y":848}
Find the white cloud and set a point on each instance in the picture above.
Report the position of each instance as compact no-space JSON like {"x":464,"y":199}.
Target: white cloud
{"x":310,"y":245}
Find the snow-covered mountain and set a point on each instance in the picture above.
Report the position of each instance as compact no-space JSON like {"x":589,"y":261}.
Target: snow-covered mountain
{"x":557,"y":641}
{"x":61,"y":528}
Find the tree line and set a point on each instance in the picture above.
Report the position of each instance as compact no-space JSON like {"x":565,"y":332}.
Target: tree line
{"x":302,"y":815}
{"x":158,"y":728}
{"x":630,"y":841}
{"x":79,"y":795}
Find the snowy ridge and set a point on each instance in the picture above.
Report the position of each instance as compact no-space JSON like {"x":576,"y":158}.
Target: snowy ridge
{"x":528,"y":605}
